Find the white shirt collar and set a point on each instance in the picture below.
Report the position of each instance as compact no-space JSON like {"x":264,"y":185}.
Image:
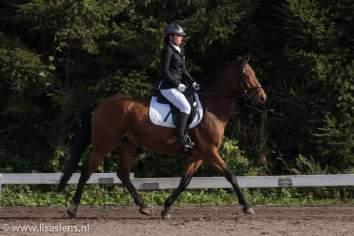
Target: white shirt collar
{"x":176,"y":47}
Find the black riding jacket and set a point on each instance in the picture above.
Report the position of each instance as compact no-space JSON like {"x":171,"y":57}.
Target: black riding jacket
{"x":173,"y":68}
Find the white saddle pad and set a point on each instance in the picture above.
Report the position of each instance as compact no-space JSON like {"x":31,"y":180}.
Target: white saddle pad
{"x":159,"y":111}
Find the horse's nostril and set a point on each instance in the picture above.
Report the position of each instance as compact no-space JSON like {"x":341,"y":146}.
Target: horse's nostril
{"x":263,"y":99}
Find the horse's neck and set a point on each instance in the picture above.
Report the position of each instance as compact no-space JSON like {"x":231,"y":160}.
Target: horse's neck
{"x":221,"y":107}
{"x":221,"y":101}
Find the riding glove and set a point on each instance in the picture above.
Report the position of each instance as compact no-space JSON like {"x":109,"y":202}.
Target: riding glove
{"x":181,"y":87}
{"x":195,"y":86}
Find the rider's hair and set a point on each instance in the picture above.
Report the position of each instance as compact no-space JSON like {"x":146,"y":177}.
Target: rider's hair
{"x":167,"y":39}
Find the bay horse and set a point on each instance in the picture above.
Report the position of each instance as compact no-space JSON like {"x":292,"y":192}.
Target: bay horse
{"x":121,"y":123}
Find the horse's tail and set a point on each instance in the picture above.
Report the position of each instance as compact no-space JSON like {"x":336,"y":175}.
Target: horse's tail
{"x":81,"y":141}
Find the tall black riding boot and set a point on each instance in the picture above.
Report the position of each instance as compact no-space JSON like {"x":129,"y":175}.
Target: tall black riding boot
{"x":181,"y":124}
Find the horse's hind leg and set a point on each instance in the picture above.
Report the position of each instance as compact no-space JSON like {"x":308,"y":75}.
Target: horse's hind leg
{"x":219,"y":164}
{"x":90,"y":167}
{"x":126,"y":159}
{"x":191,"y":167}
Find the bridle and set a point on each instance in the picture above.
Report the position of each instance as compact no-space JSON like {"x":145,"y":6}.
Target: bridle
{"x":248,"y":92}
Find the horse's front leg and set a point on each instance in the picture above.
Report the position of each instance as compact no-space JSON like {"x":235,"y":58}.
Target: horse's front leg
{"x":216,"y":161}
{"x":191,"y":167}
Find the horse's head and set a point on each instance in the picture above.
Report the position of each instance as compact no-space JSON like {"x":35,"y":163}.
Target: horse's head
{"x":247,"y":83}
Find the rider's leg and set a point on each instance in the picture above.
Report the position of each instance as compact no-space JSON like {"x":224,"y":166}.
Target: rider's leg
{"x":181,"y":124}
{"x":179,"y":100}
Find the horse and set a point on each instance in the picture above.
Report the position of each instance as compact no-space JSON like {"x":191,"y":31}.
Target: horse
{"x":120,"y":123}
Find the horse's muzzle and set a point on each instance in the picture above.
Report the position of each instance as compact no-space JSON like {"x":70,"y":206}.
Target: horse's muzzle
{"x":261,"y":97}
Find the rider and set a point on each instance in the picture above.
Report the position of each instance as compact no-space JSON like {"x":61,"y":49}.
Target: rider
{"x":176,"y":79}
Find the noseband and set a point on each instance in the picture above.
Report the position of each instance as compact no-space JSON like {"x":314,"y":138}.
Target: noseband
{"x":248,"y":92}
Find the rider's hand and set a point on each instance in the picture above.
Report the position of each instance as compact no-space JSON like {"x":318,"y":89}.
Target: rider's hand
{"x":195,"y":86}
{"x":181,"y":87}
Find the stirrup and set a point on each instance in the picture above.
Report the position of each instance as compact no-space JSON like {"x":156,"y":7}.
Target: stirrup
{"x":186,"y":144}
{"x":186,"y":148}
{"x":188,"y":141}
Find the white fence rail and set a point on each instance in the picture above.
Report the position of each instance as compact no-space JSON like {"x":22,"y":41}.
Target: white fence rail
{"x":53,"y":178}
{"x":249,"y":182}
{"x":196,"y":183}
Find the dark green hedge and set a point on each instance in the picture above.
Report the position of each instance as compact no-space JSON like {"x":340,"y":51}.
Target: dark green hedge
{"x":59,"y":57}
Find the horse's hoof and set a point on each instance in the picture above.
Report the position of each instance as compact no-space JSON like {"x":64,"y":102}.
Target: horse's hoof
{"x":145,"y":211}
{"x":165,"y":215}
{"x":71,"y":214}
{"x":249,"y":210}
{"x":72,"y":210}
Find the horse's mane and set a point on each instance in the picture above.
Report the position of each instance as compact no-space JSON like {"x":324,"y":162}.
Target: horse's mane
{"x":209,"y":81}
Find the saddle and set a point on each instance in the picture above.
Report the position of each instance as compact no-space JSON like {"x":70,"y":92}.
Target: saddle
{"x":163,"y":113}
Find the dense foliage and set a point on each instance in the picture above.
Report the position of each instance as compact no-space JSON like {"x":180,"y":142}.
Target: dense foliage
{"x":59,"y":57}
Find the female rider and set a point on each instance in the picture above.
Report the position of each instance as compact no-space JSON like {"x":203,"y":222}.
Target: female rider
{"x":176,"y":79}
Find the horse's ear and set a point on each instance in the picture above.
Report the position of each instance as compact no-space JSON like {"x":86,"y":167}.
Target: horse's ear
{"x":245,"y":60}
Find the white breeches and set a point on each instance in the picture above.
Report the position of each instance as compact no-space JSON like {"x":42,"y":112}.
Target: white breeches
{"x":177,"y":98}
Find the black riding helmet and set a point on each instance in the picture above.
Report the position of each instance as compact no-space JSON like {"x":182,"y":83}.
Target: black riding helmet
{"x":174,"y":28}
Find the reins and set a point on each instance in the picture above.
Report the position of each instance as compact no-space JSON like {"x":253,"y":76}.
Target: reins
{"x":247,"y":92}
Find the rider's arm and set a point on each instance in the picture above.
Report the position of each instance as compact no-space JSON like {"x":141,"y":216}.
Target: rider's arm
{"x":186,"y":73}
{"x":190,"y":78}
